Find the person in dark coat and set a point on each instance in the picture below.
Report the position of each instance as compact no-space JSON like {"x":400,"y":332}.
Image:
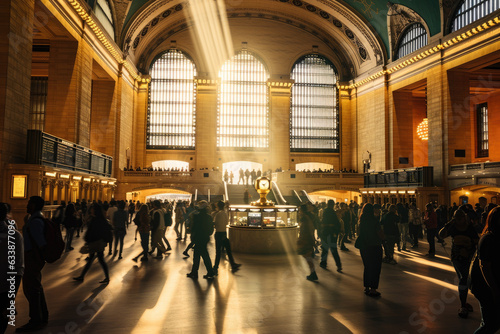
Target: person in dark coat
{"x":201,"y":230}
{"x":306,"y":240}
{"x":99,"y":232}
{"x":70,"y":222}
{"x":329,"y":231}
{"x":120,"y":218}
{"x":369,"y":243}
{"x":390,"y":222}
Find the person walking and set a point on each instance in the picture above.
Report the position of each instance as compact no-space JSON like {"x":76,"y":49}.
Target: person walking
{"x":120,"y":219}
{"x":329,"y":231}
{"x":369,"y":243}
{"x":430,"y":222}
{"x":415,"y":218}
{"x":221,"y":240}
{"x":142,"y":220}
{"x":180,"y":212}
{"x":403,"y":225}
{"x":306,"y":240}
{"x":157,"y":229}
{"x":485,"y":274}
{"x":201,"y":231}
{"x":390,"y":222}
{"x":34,"y":247}
{"x":71,"y":223}
{"x":464,"y":241}
{"x":99,"y":233}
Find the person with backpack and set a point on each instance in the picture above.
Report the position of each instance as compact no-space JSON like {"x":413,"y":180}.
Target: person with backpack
{"x":98,"y":235}
{"x":202,"y":229}
{"x":120,"y":218}
{"x":34,"y":261}
{"x":142,"y":219}
{"x":329,"y":232}
{"x":463,"y":247}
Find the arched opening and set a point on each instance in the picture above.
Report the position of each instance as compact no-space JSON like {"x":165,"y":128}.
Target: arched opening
{"x":338,"y":196}
{"x":171,"y":165}
{"x":313,"y":166}
{"x":163,"y":194}
{"x":234,"y":168}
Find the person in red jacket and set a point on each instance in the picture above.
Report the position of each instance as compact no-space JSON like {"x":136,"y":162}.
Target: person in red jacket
{"x":431,"y":225}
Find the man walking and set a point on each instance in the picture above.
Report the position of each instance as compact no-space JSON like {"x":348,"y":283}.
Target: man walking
{"x":34,"y":247}
{"x":201,"y":231}
{"x":330,"y":229}
{"x":221,"y":240}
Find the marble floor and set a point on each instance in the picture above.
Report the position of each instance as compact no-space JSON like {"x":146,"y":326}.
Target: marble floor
{"x":268,"y":295}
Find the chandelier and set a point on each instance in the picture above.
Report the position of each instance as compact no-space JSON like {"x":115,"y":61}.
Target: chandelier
{"x":423,"y":130}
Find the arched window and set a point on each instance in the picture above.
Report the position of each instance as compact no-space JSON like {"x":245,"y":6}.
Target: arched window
{"x":314,"y":117}
{"x":172,"y":102}
{"x":104,"y":14}
{"x":472,"y":10}
{"x":413,"y":38}
{"x":243,"y":112}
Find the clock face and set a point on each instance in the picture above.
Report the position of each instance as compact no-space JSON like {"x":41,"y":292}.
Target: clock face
{"x":264,"y":184}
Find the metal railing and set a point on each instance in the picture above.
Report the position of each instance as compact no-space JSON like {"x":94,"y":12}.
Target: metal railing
{"x":411,"y":177}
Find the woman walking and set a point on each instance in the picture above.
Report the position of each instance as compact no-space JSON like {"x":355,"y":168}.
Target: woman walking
{"x":98,"y":235}
{"x":369,"y":243}
{"x":306,"y":240}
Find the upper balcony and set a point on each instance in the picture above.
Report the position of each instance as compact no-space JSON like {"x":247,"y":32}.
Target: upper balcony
{"x":407,"y":178}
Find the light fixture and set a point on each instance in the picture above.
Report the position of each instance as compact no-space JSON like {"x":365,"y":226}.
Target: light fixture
{"x":423,"y":130}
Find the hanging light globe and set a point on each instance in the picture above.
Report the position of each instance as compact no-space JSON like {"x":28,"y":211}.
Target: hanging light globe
{"x":423,"y":130}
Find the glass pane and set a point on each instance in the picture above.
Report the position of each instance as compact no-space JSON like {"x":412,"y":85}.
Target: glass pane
{"x":243,"y":111}
{"x":172,"y":103}
{"x":473,"y":10}
{"x":313,"y":112}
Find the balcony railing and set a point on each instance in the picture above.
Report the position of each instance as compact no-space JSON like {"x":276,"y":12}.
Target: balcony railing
{"x":411,"y":177}
{"x":478,"y":166}
{"x":48,"y":150}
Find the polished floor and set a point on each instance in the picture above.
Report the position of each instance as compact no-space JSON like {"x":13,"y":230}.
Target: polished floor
{"x":268,"y":295}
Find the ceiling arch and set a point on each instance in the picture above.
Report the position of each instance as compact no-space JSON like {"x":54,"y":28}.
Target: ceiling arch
{"x":348,"y":36}
{"x":372,"y":12}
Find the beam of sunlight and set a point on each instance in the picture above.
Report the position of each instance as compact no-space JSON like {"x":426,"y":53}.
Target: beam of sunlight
{"x":211,"y":32}
{"x":153,"y":320}
{"x":433,"y":280}
{"x":429,"y":263}
{"x":344,"y":321}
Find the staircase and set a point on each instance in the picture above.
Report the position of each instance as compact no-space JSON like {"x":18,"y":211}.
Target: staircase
{"x":236,"y":192}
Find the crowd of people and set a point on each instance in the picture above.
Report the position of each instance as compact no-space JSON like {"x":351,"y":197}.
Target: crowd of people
{"x":376,"y":230}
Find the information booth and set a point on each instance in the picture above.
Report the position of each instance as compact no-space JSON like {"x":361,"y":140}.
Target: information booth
{"x":263,"y":230}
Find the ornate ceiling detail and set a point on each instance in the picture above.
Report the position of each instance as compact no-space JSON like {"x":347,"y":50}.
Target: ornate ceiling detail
{"x":360,"y":25}
{"x":398,"y":18}
{"x":362,"y":52}
{"x":347,"y":69}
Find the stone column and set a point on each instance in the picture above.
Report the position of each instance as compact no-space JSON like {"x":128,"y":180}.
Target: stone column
{"x":16,"y":42}
{"x":206,"y":123}
{"x":279,"y":123}
{"x":69,"y":91}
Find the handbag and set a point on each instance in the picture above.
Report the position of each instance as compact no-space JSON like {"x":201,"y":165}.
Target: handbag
{"x":85,"y":249}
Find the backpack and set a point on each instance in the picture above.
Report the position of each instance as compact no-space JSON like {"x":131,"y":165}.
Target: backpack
{"x":55,"y":243}
{"x":167,"y":217}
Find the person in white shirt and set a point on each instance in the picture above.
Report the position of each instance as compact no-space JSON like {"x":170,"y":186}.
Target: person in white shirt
{"x":221,"y":240}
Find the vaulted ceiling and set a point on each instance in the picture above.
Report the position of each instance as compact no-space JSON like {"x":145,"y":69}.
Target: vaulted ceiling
{"x":355,"y":31}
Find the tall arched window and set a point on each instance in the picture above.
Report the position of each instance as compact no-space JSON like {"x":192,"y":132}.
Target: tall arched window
{"x":473,"y":10}
{"x":172,"y":102}
{"x":243,"y":110}
{"x":104,"y":15}
{"x":314,"y":117}
{"x":412,"y":39}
